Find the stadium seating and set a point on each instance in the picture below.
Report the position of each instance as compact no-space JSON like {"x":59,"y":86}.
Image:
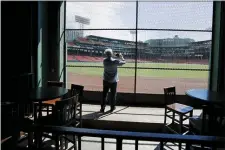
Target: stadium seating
{"x":153,"y":60}
{"x":70,"y":57}
{"x":84,"y":58}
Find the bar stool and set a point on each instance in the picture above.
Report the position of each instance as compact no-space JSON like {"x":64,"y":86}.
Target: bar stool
{"x":211,"y":123}
{"x":78,"y":89}
{"x":171,"y":106}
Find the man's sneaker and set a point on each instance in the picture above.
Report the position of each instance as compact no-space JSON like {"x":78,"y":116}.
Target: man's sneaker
{"x":102,"y":110}
{"x":112,"y":109}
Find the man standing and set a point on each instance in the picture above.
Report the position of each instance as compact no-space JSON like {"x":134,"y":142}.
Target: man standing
{"x":110,"y":77}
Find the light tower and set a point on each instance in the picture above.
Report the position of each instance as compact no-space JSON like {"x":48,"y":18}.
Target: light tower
{"x":133,"y":34}
{"x":82,"y":21}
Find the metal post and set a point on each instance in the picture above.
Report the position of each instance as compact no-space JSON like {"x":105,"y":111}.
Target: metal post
{"x":103,"y":143}
{"x":135,"y":79}
{"x":118,"y":144}
{"x":136,"y":144}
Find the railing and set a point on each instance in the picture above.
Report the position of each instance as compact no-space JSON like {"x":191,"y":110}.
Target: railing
{"x":137,"y":136}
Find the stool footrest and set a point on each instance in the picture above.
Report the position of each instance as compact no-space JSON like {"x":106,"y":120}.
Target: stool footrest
{"x":174,"y":127}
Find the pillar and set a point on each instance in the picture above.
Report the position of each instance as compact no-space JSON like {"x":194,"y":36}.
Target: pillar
{"x":217,"y":61}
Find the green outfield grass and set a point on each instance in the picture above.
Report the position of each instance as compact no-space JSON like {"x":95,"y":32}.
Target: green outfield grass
{"x":144,"y":72}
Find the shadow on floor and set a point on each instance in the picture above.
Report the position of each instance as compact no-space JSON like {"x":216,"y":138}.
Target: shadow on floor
{"x":98,"y":115}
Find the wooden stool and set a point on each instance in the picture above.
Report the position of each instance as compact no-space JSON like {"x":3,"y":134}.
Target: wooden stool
{"x":181,"y":110}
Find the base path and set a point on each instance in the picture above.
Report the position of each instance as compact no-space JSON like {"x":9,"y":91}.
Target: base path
{"x":151,"y":85}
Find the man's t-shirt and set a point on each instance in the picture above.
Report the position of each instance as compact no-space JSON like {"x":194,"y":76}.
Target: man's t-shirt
{"x":110,"y":69}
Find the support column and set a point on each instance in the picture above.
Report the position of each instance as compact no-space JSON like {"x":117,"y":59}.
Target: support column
{"x":42,"y":43}
{"x":217,"y":61}
{"x":51,"y":45}
{"x":56,"y":40}
{"x":53,"y":39}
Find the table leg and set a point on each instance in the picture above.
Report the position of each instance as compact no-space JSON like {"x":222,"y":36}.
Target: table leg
{"x":40,"y":108}
{"x":39,"y":142}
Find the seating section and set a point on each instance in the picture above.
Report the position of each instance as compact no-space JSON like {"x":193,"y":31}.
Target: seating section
{"x":80,"y":58}
{"x":70,"y":57}
{"x":84,"y":58}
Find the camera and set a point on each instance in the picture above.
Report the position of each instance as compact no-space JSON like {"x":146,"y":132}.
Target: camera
{"x":117,"y":54}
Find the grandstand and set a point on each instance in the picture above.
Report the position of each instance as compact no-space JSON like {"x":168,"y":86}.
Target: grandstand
{"x":200,"y":49}
{"x":91,"y":49}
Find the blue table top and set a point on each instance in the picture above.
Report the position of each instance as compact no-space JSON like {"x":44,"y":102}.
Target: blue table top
{"x":207,"y":96}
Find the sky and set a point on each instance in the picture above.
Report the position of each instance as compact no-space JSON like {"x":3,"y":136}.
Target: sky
{"x":151,"y":15}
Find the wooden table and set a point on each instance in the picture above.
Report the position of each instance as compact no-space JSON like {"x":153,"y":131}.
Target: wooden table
{"x":207,"y":97}
{"x":41,"y":94}
{"x":46,"y":93}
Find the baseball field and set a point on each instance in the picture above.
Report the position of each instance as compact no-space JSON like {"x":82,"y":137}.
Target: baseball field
{"x":151,"y":77}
